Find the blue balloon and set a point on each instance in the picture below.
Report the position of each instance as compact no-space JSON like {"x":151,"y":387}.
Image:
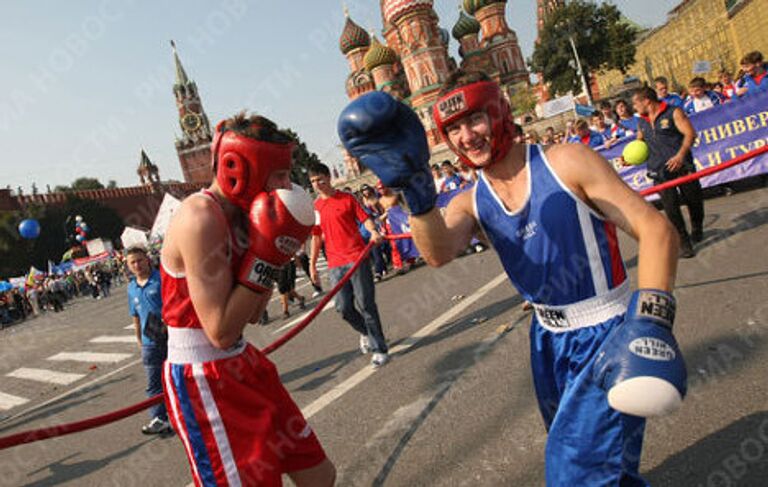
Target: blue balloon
{"x":80,"y":238}
{"x":29,"y":229}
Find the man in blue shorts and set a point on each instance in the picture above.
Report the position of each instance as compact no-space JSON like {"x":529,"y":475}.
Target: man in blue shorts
{"x":603,"y":357}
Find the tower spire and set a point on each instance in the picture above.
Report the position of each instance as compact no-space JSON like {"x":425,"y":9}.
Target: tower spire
{"x":181,"y":75}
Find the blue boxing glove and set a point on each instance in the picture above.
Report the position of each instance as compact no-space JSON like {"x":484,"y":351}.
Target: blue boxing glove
{"x":388,"y":138}
{"x":640,"y":365}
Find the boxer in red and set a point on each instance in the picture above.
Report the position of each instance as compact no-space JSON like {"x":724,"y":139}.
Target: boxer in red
{"x":222,"y":251}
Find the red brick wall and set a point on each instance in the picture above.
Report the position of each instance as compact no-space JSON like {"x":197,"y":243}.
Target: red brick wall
{"x":137,"y":205}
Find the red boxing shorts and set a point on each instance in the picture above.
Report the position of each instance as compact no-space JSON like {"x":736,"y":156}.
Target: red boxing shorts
{"x":238,"y":424}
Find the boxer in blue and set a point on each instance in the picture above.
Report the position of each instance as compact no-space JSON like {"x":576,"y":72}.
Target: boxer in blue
{"x":603,"y":357}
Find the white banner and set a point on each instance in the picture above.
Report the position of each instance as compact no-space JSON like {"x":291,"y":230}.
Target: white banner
{"x":558,"y":106}
{"x":164,"y":214}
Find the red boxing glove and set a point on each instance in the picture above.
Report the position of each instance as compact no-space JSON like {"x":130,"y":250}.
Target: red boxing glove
{"x":278,"y":225}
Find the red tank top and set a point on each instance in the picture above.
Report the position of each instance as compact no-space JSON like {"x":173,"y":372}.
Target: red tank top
{"x":178,"y":311}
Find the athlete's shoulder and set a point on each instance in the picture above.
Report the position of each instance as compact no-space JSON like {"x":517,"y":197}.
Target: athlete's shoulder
{"x":567,"y":153}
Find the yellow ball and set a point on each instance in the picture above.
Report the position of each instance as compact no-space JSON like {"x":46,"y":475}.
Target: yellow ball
{"x":636,"y":152}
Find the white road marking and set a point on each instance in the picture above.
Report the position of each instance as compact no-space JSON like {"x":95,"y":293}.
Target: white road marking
{"x":91,"y":357}
{"x":71,"y":391}
{"x":114,"y":339}
{"x":8,"y":401}
{"x":43,"y":375}
{"x":129,"y":327}
{"x":341,"y":389}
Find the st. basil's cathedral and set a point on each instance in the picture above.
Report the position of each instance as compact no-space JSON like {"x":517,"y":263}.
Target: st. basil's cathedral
{"x":412,"y":61}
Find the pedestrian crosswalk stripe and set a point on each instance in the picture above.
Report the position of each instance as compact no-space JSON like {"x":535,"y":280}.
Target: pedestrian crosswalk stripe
{"x":8,"y":401}
{"x":114,"y":339}
{"x":42,"y":375}
{"x":129,"y":327}
{"x":90,"y":357}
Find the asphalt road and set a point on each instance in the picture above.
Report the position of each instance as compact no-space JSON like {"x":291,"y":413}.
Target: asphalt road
{"x":456,"y":404}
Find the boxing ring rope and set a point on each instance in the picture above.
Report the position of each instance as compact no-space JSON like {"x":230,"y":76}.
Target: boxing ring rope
{"x":75,"y":427}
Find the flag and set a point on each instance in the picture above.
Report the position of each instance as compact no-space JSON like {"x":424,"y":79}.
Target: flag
{"x":33,"y":273}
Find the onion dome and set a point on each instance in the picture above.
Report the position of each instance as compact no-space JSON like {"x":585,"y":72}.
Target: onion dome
{"x":472,"y":6}
{"x":445,"y":36}
{"x":466,"y":25}
{"x":378,"y":55}
{"x":353,"y":36}
{"x":393,"y":9}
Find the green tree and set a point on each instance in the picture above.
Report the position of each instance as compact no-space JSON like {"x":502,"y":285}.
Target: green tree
{"x":112,"y":184}
{"x":604,"y":39}
{"x":301,"y":162}
{"x":57,"y":229}
{"x":86,"y":183}
{"x":522,"y":99}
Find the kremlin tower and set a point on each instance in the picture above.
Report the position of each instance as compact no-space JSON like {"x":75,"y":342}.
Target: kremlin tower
{"x":194,"y":148}
{"x":412,"y":61}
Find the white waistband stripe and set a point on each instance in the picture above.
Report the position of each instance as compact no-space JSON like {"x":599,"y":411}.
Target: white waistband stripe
{"x":588,"y":312}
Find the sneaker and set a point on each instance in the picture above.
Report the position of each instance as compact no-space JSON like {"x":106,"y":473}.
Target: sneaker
{"x":377,"y":277}
{"x":379,"y":359}
{"x":156,"y":427}
{"x":317,"y":294}
{"x":286,"y":315}
{"x":479,"y":248}
{"x":365,"y":344}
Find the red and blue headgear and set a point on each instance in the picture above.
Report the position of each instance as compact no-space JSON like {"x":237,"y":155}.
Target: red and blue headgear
{"x":465,"y":100}
{"x":243,"y":164}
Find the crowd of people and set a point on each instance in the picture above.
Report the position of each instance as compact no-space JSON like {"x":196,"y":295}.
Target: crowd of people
{"x":614,"y":121}
{"x":51,"y":292}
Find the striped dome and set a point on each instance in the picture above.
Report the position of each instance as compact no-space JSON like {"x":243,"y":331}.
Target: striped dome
{"x":466,"y":25}
{"x":445,"y":36}
{"x":393,"y":9}
{"x":353,"y":36}
{"x":378,"y":55}
{"x":472,"y":6}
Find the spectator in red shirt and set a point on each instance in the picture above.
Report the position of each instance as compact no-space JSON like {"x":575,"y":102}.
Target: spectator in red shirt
{"x":338,"y":214}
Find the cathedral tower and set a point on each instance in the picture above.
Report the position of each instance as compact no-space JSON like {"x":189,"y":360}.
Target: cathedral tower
{"x":194,"y":147}
{"x":411,"y":28}
{"x":499,"y":40}
{"x":354,"y":44}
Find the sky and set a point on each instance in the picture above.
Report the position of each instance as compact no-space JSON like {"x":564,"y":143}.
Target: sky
{"x":84,"y":86}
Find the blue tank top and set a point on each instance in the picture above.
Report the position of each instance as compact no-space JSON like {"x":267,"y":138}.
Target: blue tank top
{"x":555,"y":249}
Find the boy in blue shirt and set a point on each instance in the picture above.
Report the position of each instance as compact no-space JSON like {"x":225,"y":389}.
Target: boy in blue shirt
{"x":145,"y":306}
{"x":662,"y":92}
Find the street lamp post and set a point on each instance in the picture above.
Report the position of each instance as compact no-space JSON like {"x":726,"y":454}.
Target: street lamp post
{"x":580,"y":71}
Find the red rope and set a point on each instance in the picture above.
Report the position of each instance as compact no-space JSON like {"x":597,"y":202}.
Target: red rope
{"x":704,"y":172}
{"x":316,"y":311}
{"x":69,"y":428}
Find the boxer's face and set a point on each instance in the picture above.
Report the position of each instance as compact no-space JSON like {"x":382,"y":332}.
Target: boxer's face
{"x":471,"y":136}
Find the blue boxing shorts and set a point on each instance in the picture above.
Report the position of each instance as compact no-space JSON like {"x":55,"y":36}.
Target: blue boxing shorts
{"x":589,"y":443}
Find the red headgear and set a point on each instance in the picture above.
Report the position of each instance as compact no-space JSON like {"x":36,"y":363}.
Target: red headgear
{"x":465,"y":100}
{"x":243,"y":164}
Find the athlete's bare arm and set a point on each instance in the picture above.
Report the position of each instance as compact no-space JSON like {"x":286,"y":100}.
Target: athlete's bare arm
{"x":593,"y":180}
{"x":198,"y":237}
{"x":441,"y":239}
